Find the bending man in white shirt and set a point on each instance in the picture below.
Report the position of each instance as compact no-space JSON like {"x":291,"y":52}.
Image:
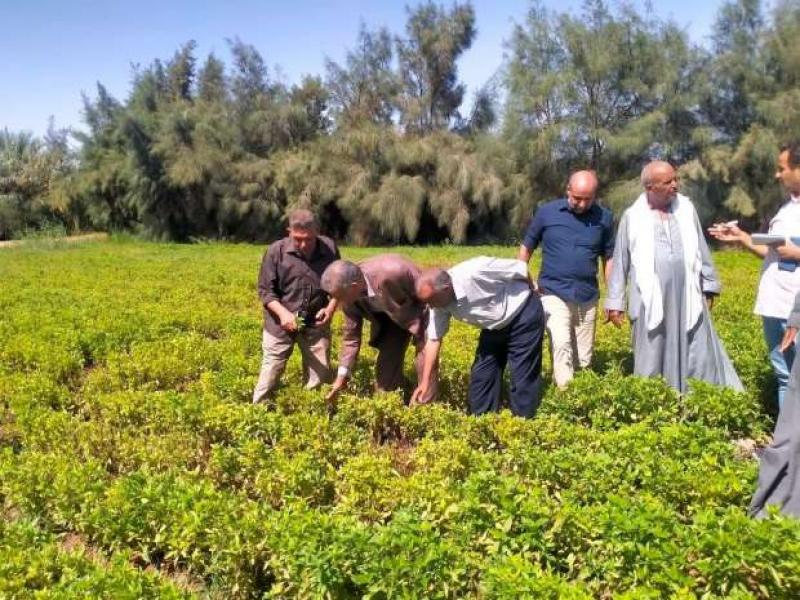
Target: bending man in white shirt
{"x":496,"y":295}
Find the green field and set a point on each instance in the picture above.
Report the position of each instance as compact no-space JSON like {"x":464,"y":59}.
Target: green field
{"x":132,"y":464}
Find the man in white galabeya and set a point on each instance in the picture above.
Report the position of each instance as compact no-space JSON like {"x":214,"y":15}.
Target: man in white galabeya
{"x":660,"y":250}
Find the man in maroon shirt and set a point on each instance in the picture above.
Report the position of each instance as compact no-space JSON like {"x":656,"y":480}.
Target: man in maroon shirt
{"x":295,"y":307}
{"x":379,"y":290}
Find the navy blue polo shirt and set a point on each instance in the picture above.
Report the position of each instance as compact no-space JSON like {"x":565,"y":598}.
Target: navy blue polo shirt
{"x":571,"y":244}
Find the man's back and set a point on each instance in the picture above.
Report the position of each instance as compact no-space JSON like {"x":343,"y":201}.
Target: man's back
{"x":391,"y":278}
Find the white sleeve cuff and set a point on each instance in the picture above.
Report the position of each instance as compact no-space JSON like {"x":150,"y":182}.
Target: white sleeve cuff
{"x":343,"y":372}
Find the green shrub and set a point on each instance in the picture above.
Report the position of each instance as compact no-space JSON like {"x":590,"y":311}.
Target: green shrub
{"x":126,"y":423}
{"x":34,"y":564}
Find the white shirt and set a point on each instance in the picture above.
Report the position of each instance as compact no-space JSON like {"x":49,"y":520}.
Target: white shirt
{"x":489,"y":294}
{"x":777,"y":289}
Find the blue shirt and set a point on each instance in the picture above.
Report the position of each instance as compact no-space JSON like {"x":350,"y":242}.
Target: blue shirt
{"x":571,"y":244}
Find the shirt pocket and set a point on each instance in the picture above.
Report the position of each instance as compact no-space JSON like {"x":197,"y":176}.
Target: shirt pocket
{"x":591,"y":236}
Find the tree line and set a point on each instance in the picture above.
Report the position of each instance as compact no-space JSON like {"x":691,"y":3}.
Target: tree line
{"x":381,"y":146}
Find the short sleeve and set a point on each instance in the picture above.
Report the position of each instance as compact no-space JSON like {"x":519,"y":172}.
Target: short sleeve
{"x":438,"y":323}
{"x":533,"y":235}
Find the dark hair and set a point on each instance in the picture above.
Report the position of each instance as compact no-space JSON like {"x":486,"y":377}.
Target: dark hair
{"x":793,"y":148}
{"x":301,"y":218}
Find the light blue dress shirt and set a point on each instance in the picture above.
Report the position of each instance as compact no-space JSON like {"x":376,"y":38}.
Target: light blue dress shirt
{"x":489,"y":294}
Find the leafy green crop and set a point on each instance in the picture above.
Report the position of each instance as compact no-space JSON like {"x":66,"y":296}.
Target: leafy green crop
{"x":125,"y":423}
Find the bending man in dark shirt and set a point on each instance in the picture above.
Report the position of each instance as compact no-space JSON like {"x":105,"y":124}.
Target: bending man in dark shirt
{"x":295,"y":307}
{"x":380,"y":290}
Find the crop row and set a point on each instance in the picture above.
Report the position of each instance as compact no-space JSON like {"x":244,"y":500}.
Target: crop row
{"x":125,"y":424}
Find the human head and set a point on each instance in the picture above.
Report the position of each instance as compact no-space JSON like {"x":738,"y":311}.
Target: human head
{"x":435,"y":288}
{"x":581,"y":191}
{"x":344,"y":281}
{"x":660,"y":182}
{"x":788,"y":172}
{"x":303,"y":230}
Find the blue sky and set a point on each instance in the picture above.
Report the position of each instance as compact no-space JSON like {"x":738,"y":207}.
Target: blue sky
{"x":52,"y":50}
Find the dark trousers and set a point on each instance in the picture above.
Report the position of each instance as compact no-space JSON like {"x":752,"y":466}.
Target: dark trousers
{"x":520,"y":345}
{"x":392,"y":341}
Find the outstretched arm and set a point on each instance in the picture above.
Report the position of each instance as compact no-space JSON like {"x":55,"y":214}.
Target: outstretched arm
{"x":351,"y":345}
{"x":432,"y":348}
{"x":730,"y":232}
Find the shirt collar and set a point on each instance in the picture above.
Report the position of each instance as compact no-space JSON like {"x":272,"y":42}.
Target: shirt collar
{"x":370,"y":290}
{"x":458,"y":290}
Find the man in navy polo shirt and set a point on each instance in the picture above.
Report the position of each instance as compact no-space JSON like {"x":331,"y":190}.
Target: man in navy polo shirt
{"x":573,"y":232}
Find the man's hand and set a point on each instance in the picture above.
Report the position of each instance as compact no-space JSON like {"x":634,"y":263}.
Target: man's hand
{"x":285,"y":317}
{"x":417,"y":332}
{"x":420,"y":395}
{"x":788,"y":251}
{"x":730,"y":232}
{"x":288,"y":321}
{"x":338,"y":385}
{"x":788,"y":338}
{"x":726,"y":232}
{"x":710,"y":301}
{"x":324,"y":316}
{"x":617,"y":317}
{"x":535,"y":288}
{"x":431,"y":356}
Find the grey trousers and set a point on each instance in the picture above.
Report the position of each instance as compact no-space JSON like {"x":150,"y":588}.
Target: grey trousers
{"x":315,"y":346}
{"x":779,"y":472}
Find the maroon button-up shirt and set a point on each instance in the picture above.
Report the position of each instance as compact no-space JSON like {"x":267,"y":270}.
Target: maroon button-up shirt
{"x":291,"y":279}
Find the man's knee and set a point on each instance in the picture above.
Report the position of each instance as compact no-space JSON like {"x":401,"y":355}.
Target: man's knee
{"x":561,"y":333}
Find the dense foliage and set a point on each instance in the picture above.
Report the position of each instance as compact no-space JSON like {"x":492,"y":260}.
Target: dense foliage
{"x":132,"y":463}
{"x":383,"y":146}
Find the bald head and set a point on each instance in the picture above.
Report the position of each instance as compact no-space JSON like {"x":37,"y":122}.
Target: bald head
{"x":581,"y":191}
{"x":435,"y":288}
{"x":660,"y":182}
{"x":583,"y":181}
{"x":654,"y":171}
{"x":344,"y":281}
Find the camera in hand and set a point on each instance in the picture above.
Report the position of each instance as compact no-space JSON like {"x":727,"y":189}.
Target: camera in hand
{"x":308,"y":313}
